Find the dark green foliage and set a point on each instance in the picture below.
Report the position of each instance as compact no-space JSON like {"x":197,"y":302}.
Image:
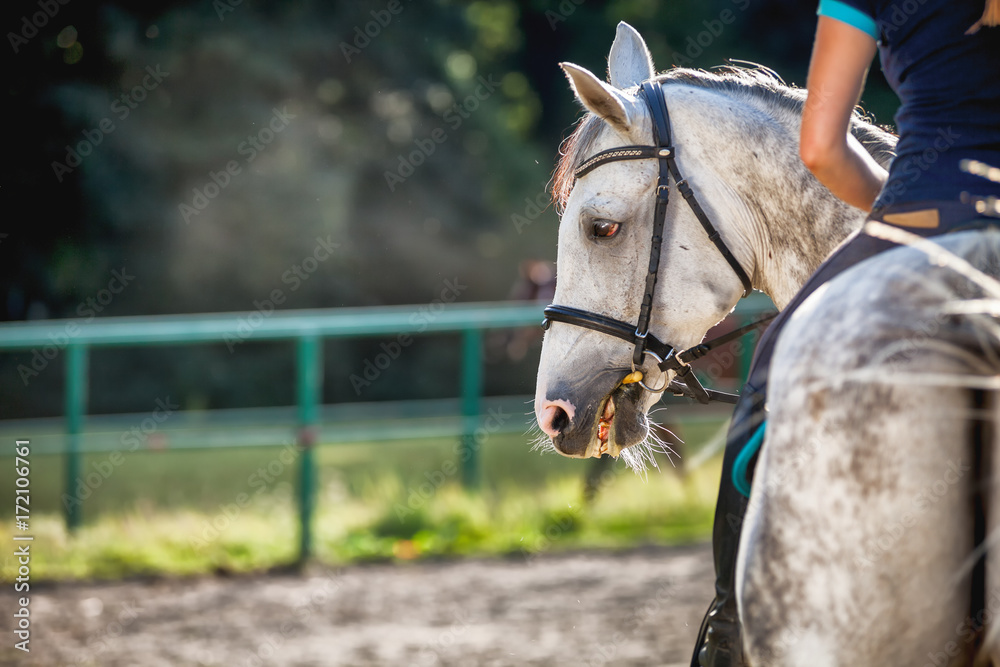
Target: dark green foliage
{"x":356,"y":111}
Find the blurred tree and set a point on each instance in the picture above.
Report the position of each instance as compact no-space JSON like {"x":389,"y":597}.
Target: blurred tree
{"x":340,"y":153}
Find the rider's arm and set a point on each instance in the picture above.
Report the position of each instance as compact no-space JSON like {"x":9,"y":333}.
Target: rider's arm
{"x":841,"y":55}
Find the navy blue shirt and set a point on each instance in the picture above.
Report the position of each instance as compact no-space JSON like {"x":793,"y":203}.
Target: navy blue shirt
{"x":948,"y":84}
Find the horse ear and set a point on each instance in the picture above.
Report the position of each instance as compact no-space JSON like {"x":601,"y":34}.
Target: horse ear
{"x":629,"y":62}
{"x":600,"y":98}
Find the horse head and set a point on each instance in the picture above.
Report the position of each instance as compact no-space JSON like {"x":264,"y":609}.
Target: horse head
{"x":605,"y":236}
{"x":735,"y":140}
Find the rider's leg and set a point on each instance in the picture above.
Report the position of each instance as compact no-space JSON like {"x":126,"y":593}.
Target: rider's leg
{"x":719,"y":639}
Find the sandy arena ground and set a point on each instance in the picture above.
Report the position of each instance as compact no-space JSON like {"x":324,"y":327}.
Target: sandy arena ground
{"x":640,"y":607}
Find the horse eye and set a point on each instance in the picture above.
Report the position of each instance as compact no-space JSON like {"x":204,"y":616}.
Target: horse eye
{"x":605,"y":229}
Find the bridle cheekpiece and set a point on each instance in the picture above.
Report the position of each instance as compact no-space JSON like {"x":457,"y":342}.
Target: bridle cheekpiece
{"x":667,"y":358}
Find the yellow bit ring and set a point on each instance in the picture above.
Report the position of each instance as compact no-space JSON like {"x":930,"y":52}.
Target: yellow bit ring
{"x":633,"y":377}
{"x":636,"y":377}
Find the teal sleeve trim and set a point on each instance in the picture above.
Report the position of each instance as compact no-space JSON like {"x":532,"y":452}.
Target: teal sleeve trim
{"x":843,"y":12}
{"x":740,"y":478}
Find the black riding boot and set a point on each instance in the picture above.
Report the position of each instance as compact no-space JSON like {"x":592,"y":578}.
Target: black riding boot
{"x":719,"y":640}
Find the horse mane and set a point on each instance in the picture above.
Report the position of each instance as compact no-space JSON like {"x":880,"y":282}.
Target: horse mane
{"x":758,"y":85}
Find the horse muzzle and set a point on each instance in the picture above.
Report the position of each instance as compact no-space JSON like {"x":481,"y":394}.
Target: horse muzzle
{"x":584,"y":421}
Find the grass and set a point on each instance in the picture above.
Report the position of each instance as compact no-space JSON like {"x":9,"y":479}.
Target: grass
{"x":188,"y":513}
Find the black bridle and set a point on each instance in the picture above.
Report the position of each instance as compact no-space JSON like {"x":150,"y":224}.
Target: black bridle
{"x":685,"y":382}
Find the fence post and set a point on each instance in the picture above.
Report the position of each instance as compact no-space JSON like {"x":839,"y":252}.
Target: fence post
{"x":472,"y":387}
{"x":309,"y":374}
{"x":76,"y":406}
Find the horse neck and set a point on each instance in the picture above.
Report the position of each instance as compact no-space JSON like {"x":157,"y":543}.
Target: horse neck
{"x":800,"y":223}
{"x":784,"y":222}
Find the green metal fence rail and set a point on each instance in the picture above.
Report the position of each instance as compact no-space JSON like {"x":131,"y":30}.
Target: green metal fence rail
{"x":307,"y":329}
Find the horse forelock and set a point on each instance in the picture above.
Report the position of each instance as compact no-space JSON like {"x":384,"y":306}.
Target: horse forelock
{"x":572,"y":152}
{"x":757,"y":85}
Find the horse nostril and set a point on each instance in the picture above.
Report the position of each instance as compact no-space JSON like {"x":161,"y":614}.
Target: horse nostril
{"x":560,"y":420}
{"x":553,"y":419}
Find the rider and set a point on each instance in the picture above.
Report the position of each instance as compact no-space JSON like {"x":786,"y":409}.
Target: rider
{"x":941,"y":58}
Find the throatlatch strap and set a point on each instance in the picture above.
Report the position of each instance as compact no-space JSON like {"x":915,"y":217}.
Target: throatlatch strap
{"x":668,"y":163}
{"x":713,"y":233}
{"x":700,"y":350}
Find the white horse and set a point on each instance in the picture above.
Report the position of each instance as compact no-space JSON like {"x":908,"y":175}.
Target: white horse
{"x":855,"y":549}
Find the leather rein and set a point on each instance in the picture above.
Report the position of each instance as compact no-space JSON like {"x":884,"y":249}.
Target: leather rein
{"x":685,"y":383}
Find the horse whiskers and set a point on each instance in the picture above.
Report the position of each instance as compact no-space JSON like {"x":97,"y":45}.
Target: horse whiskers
{"x":661,"y":427}
{"x":531,"y":430}
{"x":543,"y":445}
{"x":637,"y":456}
{"x":661,"y":445}
{"x":539,"y":441}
